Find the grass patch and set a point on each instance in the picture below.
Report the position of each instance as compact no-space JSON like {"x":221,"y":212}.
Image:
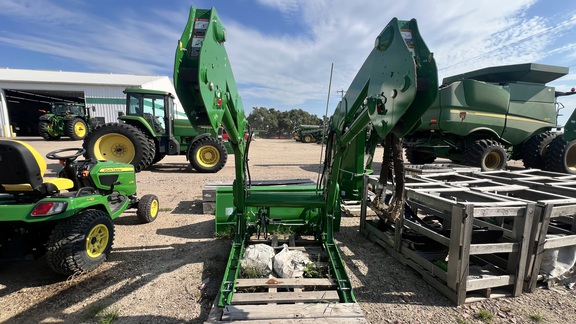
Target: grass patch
{"x":536,"y":318}
{"x":484,"y":315}
{"x":109,"y":317}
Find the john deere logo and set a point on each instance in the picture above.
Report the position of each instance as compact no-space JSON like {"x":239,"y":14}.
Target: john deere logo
{"x":114,"y":170}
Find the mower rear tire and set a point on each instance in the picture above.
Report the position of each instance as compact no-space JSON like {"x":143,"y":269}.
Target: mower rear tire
{"x":561,"y":156}
{"x":80,"y":243}
{"x":45,"y":133}
{"x":148,"y":208}
{"x":76,"y":129}
{"x":121,"y":143}
{"x":535,"y":149}
{"x":488,"y":155}
{"x":208,"y":155}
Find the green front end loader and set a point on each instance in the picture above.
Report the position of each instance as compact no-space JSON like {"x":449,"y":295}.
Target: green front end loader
{"x":68,"y":218}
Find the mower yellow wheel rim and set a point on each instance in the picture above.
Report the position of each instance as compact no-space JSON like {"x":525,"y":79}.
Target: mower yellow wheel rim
{"x":208,"y":156}
{"x":97,"y":240}
{"x":571,"y":158}
{"x":79,"y":129}
{"x":493,"y":160}
{"x":114,"y":147}
{"x":154,"y":208}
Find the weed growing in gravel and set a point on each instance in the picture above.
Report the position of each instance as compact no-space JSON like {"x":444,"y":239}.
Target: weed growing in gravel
{"x":93,"y":310}
{"x":460,"y":320}
{"x":109,"y":317}
{"x":484,"y":315}
{"x":536,"y":318}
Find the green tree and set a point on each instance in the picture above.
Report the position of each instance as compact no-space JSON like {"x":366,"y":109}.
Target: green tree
{"x":270,"y":122}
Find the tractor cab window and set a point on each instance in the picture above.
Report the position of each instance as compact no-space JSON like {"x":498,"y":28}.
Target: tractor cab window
{"x":134,"y":105}
{"x":154,"y":113}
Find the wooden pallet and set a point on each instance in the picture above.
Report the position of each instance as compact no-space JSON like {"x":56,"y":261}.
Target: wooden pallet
{"x":352,"y":208}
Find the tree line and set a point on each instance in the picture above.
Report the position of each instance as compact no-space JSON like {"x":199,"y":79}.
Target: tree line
{"x":273,"y":123}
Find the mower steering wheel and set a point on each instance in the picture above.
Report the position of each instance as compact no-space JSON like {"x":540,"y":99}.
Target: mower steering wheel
{"x":54,"y":155}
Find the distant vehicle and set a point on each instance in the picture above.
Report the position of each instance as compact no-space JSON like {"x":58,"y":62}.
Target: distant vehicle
{"x":308,"y":133}
{"x":66,"y":119}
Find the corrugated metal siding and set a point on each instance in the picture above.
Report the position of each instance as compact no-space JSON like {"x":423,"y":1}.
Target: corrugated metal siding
{"x":106,"y":110}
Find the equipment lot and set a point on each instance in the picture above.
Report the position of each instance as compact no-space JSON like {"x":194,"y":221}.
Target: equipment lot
{"x":169,"y":271}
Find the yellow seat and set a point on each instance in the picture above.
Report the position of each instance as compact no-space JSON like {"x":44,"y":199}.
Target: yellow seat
{"x":22,"y":169}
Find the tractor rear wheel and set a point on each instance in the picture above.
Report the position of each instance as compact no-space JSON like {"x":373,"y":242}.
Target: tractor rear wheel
{"x":80,"y":243}
{"x":45,"y":133}
{"x":535,"y":150}
{"x":121,"y":143}
{"x":415,"y":156}
{"x":561,"y":156}
{"x":308,"y":138}
{"x":208,"y":155}
{"x":76,"y":129}
{"x":148,"y":207}
{"x":488,"y":155}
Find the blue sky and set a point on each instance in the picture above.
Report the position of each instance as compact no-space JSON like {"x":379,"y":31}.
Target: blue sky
{"x":281,"y":50}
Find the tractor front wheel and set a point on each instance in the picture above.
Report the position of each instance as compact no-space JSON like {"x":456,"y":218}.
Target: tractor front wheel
{"x":208,"y":155}
{"x":148,"y":207}
{"x":535,"y":150}
{"x":121,"y":143}
{"x":80,"y":243}
{"x":488,"y":155}
{"x":46,"y":133}
{"x":76,"y":129}
{"x":307,"y":139}
{"x":561,"y":156}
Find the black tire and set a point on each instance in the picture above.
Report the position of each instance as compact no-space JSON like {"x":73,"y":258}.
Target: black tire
{"x":414,"y":156}
{"x":307,"y":139}
{"x":208,"y":155}
{"x":535,"y":149}
{"x":43,"y":131}
{"x":121,"y":143}
{"x":561,"y":156}
{"x":158,"y":157}
{"x":80,"y":243}
{"x":488,"y":155}
{"x":148,"y":207}
{"x":76,"y":129}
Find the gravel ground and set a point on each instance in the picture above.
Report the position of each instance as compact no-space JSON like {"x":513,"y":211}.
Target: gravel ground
{"x":169,"y":271}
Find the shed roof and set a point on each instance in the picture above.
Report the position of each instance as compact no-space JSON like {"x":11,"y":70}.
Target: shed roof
{"x":64,"y":77}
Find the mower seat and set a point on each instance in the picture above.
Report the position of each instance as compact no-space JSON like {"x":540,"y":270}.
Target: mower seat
{"x":22,"y":170}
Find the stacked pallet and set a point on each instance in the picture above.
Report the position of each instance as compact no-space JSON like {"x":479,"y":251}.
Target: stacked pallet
{"x":475,"y":235}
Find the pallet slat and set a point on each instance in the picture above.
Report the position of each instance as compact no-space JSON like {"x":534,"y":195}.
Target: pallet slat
{"x":286,"y":297}
{"x":344,"y":311}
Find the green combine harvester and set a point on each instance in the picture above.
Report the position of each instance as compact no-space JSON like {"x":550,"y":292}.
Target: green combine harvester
{"x":392,"y":90}
{"x":308,"y":133}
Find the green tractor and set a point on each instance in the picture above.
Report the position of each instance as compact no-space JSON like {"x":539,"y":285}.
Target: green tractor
{"x":148,"y":131}
{"x":68,"y":218}
{"x":66,"y":119}
{"x":308,"y":133}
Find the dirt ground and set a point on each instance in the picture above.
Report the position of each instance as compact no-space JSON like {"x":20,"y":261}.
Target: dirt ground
{"x":169,"y":271}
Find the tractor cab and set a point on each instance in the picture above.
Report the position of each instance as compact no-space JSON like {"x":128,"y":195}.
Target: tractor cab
{"x":63,"y":109}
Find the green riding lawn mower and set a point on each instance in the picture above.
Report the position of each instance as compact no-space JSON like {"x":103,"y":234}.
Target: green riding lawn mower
{"x":66,"y":119}
{"x":68,"y":218}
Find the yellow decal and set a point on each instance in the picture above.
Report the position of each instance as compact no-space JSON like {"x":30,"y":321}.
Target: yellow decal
{"x":90,"y":199}
{"x":502,"y":116}
{"x":113,"y":170}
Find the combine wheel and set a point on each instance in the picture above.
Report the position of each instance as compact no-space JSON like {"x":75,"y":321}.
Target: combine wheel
{"x":561,"y":156}
{"x":80,"y":243}
{"x":535,"y":150}
{"x":488,"y":155}
{"x":307,"y":139}
{"x":208,"y":155}
{"x":415,"y":156}
{"x":76,"y":129}
{"x":148,"y":207}
{"x":45,"y":133}
{"x":121,"y":143}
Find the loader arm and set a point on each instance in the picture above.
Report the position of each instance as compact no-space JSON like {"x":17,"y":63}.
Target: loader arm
{"x":392,"y":89}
